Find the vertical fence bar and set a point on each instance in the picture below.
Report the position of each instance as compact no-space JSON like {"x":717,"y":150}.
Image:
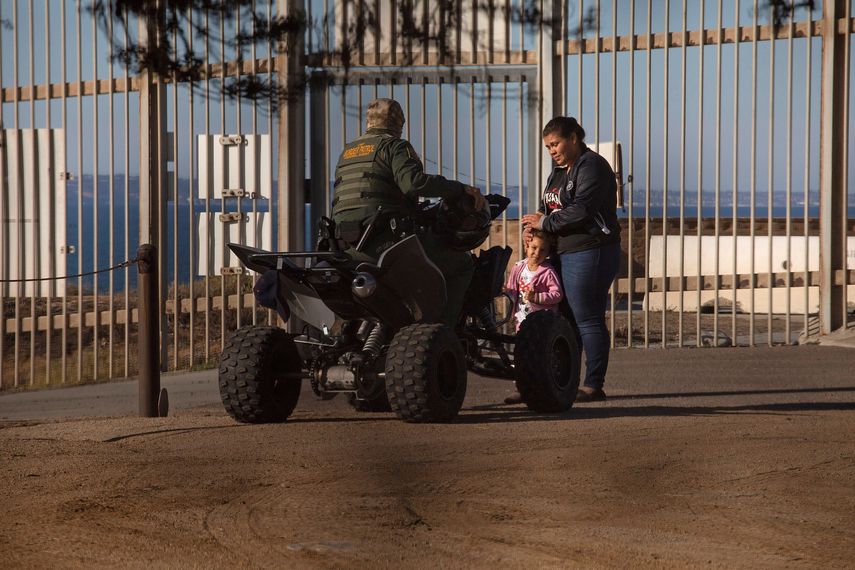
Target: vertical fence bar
{"x":52,"y":245}
{"x":789,"y":184}
{"x":700,"y":202}
{"x":647,"y":185}
{"x":95,"y":199}
{"x":36,"y":241}
{"x":753,"y":213}
{"x":271,"y":317}
{"x":520,"y":168}
{"x":20,"y":258}
{"x":128,"y":310}
{"x":735,"y":187}
{"x":614,"y":286}
{"x":407,"y":82}
{"x":210,"y":223}
{"x":310,"y":28}
{"x":505,"y":82}
{"x":35,"y":177}
{"x":807,"y":154}
{"x":63,"y":73}
{"x":630,"y":220}
{"x":681,"y":230}
{"x":562,"y":53}
{"x":472,"y":131}
{"x":3,"y":234}
{"x":487,"y":129}
{"x":224,"y":295}
{"x":581,"y":46}
{"x":81,"y":312}
{"x":844,"y":198}
{"x":258,"y":190}
{"x":771,"y":172}
{"x":439,"y":126}
{"x":239,"y":175}
{"x":191,"y":197}
{"x":112,"y":189}
{"x":176,"y":297}
{"x":423,"y":109}
{"x":597,"y":82}
{"x":665,"y":183}
{"x":507,"y":12}
{"x":455,"y":93}
{"x":718,"y":129}
{"x":327,"y":163}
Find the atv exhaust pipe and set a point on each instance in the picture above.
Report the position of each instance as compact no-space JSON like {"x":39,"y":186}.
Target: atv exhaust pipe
{"x":364,"y":285}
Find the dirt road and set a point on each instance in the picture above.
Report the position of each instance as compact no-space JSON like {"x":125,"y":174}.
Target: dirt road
{"x":737,"y":458}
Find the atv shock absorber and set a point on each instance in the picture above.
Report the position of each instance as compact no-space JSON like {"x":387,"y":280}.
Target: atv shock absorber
{"x":486,"y":318}
{"x":375,"y":341}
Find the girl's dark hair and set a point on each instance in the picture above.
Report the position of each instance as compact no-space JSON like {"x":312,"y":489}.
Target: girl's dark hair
{"x":564,"y":126}
{"x":546,"y":237}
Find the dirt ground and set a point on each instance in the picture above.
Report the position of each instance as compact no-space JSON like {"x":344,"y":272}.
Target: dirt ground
{"x":700,"y":458}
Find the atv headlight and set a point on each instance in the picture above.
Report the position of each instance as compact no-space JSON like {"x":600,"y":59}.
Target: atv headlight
{"x":364,"y":285}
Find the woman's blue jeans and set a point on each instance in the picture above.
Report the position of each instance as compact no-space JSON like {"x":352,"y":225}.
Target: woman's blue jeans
{"x":587,"y":276}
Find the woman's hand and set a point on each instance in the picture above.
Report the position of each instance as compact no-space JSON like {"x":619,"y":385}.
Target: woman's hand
{"x":531,"y":221}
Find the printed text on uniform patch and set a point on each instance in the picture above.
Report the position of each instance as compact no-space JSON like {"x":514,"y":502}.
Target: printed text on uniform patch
{"x":359,"y":150}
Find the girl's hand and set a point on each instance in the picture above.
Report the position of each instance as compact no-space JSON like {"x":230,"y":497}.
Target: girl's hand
{"x":528,"y":296}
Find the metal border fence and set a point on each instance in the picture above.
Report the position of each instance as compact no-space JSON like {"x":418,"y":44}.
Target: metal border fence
{"x":754,"y":113}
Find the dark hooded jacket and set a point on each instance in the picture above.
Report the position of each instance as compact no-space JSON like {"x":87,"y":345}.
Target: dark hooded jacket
{"x":580,"y":204}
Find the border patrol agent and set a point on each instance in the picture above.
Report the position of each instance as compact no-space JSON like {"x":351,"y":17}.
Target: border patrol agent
{"x":381,"y":171}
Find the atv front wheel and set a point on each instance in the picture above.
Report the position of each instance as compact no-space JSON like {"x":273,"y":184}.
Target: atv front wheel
{"x":426,"y":373}
{"x":547,"y":361}
{"x":260,"y":375}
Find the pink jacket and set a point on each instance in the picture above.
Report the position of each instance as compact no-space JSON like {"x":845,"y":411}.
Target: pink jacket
{"x":545,"y":284}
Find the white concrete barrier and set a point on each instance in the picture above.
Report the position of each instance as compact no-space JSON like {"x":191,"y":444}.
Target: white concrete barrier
{"x":803,"y":253}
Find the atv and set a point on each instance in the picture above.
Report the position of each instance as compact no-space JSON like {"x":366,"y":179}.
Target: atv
{"x":370,"y":331}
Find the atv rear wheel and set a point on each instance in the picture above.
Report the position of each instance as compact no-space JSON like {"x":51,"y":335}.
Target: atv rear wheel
{"x":547,"y":362}
{"x":426,"y":373}
{"x":259,"y":375}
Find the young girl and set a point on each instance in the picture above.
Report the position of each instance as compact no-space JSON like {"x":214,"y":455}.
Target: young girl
{"x":534,"y":284}
{"x":533,"y":281}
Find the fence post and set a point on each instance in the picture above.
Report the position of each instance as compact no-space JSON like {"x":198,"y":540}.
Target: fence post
{"x":149,"y":331}
{"x":152,"y":146}
{"x":832,"y":194}
{"x":292,"y":133}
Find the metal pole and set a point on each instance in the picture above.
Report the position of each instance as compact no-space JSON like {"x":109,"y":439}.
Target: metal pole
{"x":152,"y":160}
{"x":149,"y":331}
{"x":832,"y":193}
{"x":292,"y":134}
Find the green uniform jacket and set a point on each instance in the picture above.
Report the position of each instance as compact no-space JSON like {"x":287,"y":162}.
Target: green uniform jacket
{"x":379,"y":169}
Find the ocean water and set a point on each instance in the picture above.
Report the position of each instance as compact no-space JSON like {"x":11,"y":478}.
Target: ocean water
{"x":85,"y":258}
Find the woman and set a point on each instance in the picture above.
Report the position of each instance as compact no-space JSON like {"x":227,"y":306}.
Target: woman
{"x":578,"y":206}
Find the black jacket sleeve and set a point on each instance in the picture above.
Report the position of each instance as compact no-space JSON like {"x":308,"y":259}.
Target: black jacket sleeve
{"x":593,"y":182}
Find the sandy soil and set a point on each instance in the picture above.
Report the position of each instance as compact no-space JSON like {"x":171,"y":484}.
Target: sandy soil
{"x":746,"y":463}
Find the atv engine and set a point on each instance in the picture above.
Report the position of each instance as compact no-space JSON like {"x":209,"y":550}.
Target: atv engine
{"x":358,"y":368}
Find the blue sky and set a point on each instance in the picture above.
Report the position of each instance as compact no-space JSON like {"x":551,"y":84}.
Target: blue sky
{"x":94,"y":62}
